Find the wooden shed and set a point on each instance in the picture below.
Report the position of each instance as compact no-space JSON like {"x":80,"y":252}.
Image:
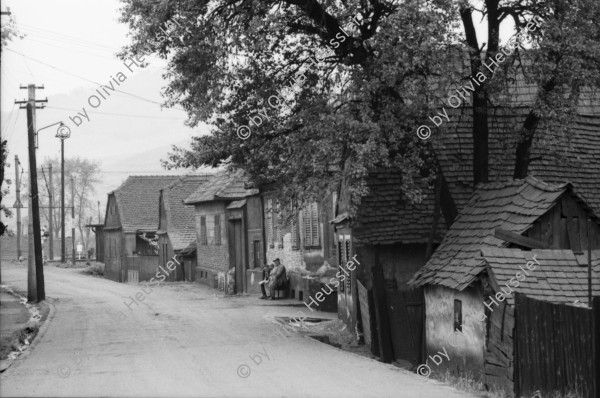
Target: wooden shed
{"x":478,"y":256}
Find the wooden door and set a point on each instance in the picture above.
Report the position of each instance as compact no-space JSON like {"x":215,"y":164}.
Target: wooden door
{"x":405,"y":309}
{"x":238,"y":254}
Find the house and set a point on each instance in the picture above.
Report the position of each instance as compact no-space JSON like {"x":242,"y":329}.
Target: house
{"x":399,"y":235}
{"x":177,"y":227}
{"x":303,"y":240}
{"x":229,"y":230}
{"x":483,"y":256}
{"x":130,"y":227}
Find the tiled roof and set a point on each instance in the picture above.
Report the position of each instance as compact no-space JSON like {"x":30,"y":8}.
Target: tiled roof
{"x":181,"y":226}
{"x":386,"y":217}
{"x":560,"y":277}
{"x":137,"y":201}
{"x":512,"y":206}
{"x":221,"y":186}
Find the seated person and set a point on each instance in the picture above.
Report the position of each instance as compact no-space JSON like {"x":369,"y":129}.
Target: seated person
{"x":277,"y":278}
{"x":266,"y":272}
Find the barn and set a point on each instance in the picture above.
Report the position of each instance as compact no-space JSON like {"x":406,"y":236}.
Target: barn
{"x":130,"y":227}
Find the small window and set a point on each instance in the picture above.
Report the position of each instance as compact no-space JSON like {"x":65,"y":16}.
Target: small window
{"x":210,"y":230}
{"x":203,"y":230}
{"x":458,"y":316}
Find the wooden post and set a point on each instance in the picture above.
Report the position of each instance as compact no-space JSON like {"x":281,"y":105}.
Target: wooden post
{"x":596,"y":340}
{"x":383,"y":322}
{"x":35,"y":205}
{"x":51,"y":216}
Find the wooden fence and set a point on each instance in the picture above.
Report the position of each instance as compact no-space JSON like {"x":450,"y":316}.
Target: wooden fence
{"x":556,"y":348}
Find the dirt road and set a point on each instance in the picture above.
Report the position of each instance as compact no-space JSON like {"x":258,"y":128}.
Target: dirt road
{"x":185,"y":340}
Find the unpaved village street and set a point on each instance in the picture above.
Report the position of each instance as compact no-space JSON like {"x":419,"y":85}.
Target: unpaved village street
{"x":185,"y":340}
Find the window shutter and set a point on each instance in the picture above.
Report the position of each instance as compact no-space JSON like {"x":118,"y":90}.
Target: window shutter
{"x":203,"y":230}
{"x":269,"y":223}
{"x":315,"y":225}
{"x":311,"y":226}
{"x":275,"y":221}
{"x":217,"y":229}
{"x":294,"y":231}
{"x":348,"y":278}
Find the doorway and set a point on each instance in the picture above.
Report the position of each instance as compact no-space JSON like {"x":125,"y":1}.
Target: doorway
{"x":238,"y":254}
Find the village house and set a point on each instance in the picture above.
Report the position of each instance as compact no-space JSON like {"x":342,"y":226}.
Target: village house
{"x":130,"y":227}
{"x":303,"y":240}
{"x":486,"y":257}
{"x":229,"y":231}
{"x":177,"y":227}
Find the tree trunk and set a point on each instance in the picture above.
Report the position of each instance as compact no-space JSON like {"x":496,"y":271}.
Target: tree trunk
{"x":523,"y":152}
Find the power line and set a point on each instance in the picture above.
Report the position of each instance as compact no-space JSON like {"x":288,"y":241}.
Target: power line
{"x":72,"y":38}
{"x":85,"y":79}
{"x":114,"y":114}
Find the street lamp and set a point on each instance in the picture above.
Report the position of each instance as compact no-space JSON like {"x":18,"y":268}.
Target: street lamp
{"x":63,"y":132}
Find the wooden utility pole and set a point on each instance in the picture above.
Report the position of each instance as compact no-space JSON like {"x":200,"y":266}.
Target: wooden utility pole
{"x":18,"y":206}
{"x":51,"y":214}
{"x":35,"y":279}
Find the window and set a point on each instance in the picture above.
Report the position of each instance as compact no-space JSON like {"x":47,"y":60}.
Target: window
{"x":218,"y":229}
{"x":202,"y":230}
{"x":311,"y":226}
{"x":210,"y":230}
{"x":458,"y":315}
{"x":269,"y":223}
{"x":146,"y":244}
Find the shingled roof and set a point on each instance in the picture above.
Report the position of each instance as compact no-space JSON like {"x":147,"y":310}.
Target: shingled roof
{"x":137,"y":202}
{"x":222,"y":187}
{"x":386,"y":217}
{"x":561,"y":276}
{"x":181,"y":226}
{"x":512,"y":206}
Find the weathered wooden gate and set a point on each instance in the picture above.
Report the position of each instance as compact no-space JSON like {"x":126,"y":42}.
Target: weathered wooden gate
{"x":556,"y":348}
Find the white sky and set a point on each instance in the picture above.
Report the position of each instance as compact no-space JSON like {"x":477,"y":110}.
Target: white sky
{"x":74,"y":40}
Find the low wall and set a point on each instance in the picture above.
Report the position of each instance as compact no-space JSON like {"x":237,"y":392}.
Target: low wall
{"x":304,"y":287}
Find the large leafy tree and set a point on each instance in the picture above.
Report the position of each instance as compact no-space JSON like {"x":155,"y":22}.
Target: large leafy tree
{"x":382,"y":68}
